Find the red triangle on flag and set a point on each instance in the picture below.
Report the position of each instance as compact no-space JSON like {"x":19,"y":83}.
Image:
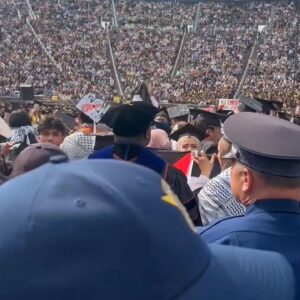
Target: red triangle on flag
{"x":185,"y":164}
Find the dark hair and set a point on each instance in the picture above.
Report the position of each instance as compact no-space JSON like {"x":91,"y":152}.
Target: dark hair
{"x":202,"y":125}
{"x":84,"y":118}
{"x":19,"y":118}
{"x":52,"y":123}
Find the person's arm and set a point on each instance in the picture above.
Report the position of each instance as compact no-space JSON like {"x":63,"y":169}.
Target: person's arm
{"x":196,"y":183}
{"x":205,"y":165}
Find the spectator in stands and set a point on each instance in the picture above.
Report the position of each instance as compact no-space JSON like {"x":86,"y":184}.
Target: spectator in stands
{"x":35,"y":114}
{"x":274,"y":75}
{"x":146,"y":45}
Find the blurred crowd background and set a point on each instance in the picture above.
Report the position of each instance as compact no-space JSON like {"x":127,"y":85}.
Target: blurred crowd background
{"x":186,"y":53}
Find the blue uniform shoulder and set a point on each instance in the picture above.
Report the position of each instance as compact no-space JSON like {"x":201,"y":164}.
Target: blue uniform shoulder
{"x":222,"y":229}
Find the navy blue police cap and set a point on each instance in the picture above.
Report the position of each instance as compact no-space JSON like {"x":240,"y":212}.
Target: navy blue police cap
{"x":84,"y":232}
{"x":265,"y":143}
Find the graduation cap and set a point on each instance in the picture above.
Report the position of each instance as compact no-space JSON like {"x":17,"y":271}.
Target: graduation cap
{"x":248,"y":104}
{"x":194,"y":111}
{"x":283,"y":115}
{"x":205,"y":117}
{"x":141,"y":94}
{"x":268,"y":106}
{"x":37,"y":102}
{"x":162,"y":114}
{"x":178,"y":111}
{"x":69,"y":121}
{"x":277,"y":104}
{"x":129,"y":120}
{"x":224,"y":114}
{"x":187,"y":130}
{"x":259,"y":105}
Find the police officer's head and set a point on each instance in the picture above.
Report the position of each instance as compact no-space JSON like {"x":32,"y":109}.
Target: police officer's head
{"x":266,"y":158}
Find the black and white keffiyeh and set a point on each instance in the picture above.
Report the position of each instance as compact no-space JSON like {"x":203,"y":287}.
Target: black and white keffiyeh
{"x":78,"y":145}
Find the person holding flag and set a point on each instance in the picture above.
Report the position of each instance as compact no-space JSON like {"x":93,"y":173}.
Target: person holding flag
{"x":189,"y":140}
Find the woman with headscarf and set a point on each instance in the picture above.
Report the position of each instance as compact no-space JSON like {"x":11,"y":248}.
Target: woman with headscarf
{"x":188,"y":140}
{"x":159,"y":140}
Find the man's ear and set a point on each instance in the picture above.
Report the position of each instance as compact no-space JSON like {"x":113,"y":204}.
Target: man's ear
{"x":247,"y":180}
{"x":247,"y":185}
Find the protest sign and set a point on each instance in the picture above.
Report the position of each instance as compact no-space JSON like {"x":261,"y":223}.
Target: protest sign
{"x":93,"y":107}
{"x":228,"y":104}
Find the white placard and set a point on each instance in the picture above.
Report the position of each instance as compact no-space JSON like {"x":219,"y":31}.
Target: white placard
{"x":93,"y":107}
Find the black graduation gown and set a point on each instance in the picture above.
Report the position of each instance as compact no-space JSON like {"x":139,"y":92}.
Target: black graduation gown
{"x":145,"y":157}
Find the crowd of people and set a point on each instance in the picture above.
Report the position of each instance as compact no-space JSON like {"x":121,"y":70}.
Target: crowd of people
{"x":145,"y":54}
{"x":275,"y":72}
{"x":155,"y":14}
{"x":214,"y":58}
{"x":146,"y":45}
{"x":201,"y":188}
{"x":149,"y":201}
{"x":74,"y":39}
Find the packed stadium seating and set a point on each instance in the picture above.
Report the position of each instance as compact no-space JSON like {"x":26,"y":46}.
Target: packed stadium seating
{"x":61,"y":47}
